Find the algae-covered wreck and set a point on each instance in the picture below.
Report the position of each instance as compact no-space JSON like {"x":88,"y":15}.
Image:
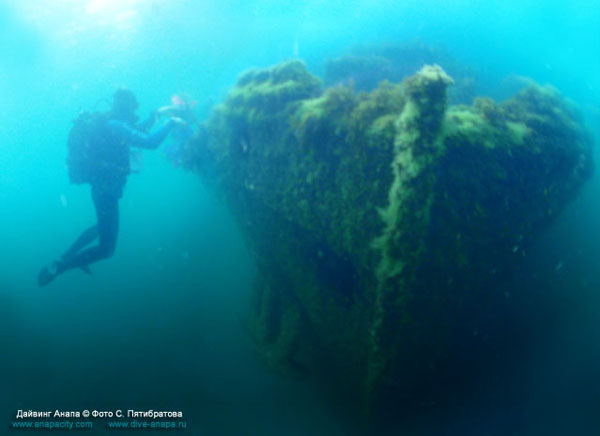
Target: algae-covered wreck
{"x":379,"y":220}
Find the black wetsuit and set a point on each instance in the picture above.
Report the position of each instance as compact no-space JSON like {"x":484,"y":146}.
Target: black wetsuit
{"x":107,"y":185}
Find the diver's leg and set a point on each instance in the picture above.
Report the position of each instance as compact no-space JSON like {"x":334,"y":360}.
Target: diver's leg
{"x":107,"y":213}
{"x":87,"y":237}
{"x":49,"y":272}
{"x":106,"y":229}
{"x":108,"y":224}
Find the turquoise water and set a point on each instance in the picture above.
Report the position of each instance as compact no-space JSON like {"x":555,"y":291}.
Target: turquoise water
{"x":159,"y":325}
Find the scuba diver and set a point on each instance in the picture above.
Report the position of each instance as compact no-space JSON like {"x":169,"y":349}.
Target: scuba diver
{"x":99,"y":154}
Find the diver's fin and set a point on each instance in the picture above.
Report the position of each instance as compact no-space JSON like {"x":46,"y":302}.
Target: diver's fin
{"x":47,"y":274}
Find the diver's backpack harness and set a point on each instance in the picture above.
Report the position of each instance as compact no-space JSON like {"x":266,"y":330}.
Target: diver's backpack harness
{"x":86,"y":137}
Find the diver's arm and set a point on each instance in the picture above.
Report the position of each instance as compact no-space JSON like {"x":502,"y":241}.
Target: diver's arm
{"x":147,"y":124}
{"x":137,"y":138}
{"x":169,"y":111}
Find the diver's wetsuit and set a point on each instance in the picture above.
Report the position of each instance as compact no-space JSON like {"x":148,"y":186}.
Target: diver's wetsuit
{"x":107,"y":185}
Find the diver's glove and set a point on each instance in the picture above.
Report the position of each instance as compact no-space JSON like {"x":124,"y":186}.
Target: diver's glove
{"x":178,"y":121}
{"x":48,"y":273}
